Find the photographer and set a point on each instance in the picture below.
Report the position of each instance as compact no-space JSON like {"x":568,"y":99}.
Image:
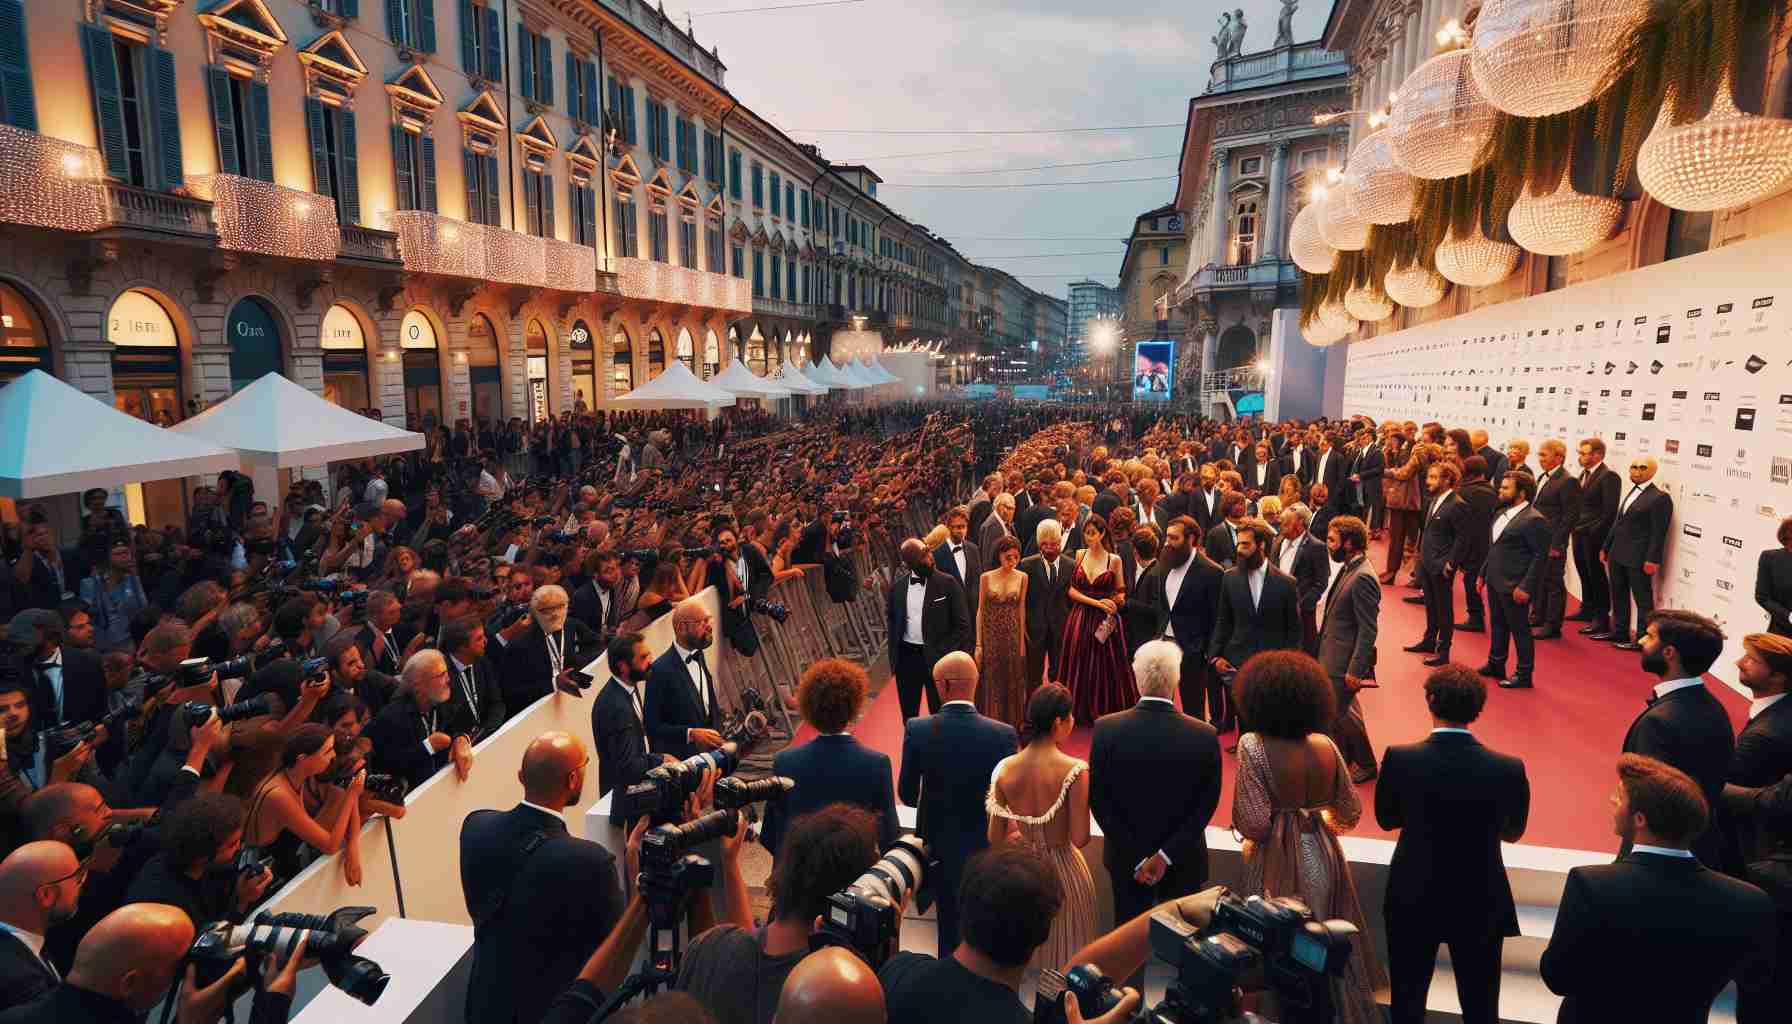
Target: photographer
{"x":197,"y":870}
{"x":295,"y":808}
{"x":824,"y":853}
{"x":27,"y":754}
{"x":114,"y":593}
{"x":739,"y":574}
{"x":350,"y":675}
{"x":411,"y":735}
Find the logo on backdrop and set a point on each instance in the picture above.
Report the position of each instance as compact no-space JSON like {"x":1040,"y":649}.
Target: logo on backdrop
{"x":1745,"y":419}
{"x":1782,"y":470}
{"x":1754,"y":364}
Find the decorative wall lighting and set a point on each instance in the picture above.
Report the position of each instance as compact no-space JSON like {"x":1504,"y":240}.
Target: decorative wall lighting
{"x":1442,"y":123}
{"x":50,"y":183}
{"x":1379,"y":191}
{"x":433,"y":244}
{"x":1368,"y":303}
{"x":1414,"y":286}
{"x":1331,"y":323}
{"x":514,"y":258}
{"x":259,"y":216}
{"x":1563,"y":222}
{"x":1724,"y":159}
{"x":1476,"y":261}
{"x":1340,"y":228}
{"x":1305,"y":245}
{"x":570,"y":267}
{"x":1533,"y":58}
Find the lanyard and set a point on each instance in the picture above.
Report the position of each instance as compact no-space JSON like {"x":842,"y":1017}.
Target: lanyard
{"x":556,"y":646}
{"x":465,"y":676}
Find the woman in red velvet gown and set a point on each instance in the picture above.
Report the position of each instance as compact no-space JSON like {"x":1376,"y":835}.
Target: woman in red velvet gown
{"x":1096,"y":668}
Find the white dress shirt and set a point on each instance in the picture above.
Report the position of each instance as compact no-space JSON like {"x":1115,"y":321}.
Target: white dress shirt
{"x":1760,"y":704}
{"x":35,"y":943}
{"x":1635,"y":492}
{"x":51,"y":668}
{"x":1667,"y":686}
{"x":1662,"y":851}
{"x":1499,"y":525}
{"x":958,"y":559}
{"x":1324,"y":457}
{"x":1173,"y":588}
{"x":549,"y":811}
{"x":1255,"y":579}
{"x":1439,"y":502}
{"x":916,"y":603}
{"x":1290,"y":552}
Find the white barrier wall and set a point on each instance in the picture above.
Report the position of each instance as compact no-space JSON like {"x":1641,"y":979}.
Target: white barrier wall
{"x":1687,"y":361}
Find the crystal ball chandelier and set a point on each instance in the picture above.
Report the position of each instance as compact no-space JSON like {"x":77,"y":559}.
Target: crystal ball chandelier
{"x":1533,"y":58}
{"x":1476,"y":261}
{"x":1441,"y":123}
{"x":1562,"y":222}
{"x":1368,"y":303}
{"x":1379,"y":191}
{"x":1331,"y":323}
{"x":1341,"y":229}
{"x":1724,"y":159}
{"x":1306,"y":246}
{"x":1414,"y":287}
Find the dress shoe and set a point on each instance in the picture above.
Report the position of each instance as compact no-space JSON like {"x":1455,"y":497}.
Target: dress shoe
{"x":1596,"y":627}
{"x":1359,"y":776}
{"x":1422,"y":647}
{"x":1548,"y":634}
{"x":1629,"y":645}
{"x":1472,"y":626}
{"x":1604,"y":634}
{"x":1579,"y":617}
{"x":1515,"y":684}
{"x":1492,"y":671}
{"x":1414,"y":599}
{"x":1440,"y":658}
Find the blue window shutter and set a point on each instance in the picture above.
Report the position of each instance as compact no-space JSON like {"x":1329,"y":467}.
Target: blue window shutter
{"x":348,"y":8}
{"x":469,"y":162}
{"x":493,"y":193}
{"x":108,"y":108}
{"x":426,"y":25}
{"x":426,"y":169}
{"x":166,"y":98}
{"x":544,"y":66}
{"x":547,"y":206}
{"x":395,"y":21}
{"x":315,"y":113}
{"x":348,"y":204}
{"x":589,"y":198}
{"x":593,"y":103}
{"x":264,"y":132}
{"x":531,"y":205}
{"x":469,"y":37}
{"x":572,"y":86}
{"x":525,"y":62}
{"x":16,"y":100}
{"x":217,"y":84}
{"x":628,"y":103}
{"x":401,"y":167}
{"x":492,"y":62}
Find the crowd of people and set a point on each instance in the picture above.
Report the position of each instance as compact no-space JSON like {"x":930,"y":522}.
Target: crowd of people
{"x":191,"y":715}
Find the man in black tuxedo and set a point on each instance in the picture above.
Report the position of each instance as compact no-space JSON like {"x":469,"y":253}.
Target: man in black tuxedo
{"x":382,"y":640}
{"x":1264,"y":475}
{"x":1483,"y":506}
{"x":1241,"y":452}
{"x":961,"y":559}
{"x":1331,"y":467}
{"x":1599,"y":488}
{"x":834,"y":767}
{"x":1366,"y":471}
{"x":927,"y":618}
{"x":1347,"y":637}
{"x":1028,"y":518}
{"x":1516,"y":553}
{"x":70,"y":683}
{"x":682,"y":713}
{"x":619,"y":722}
{"x":1559,"y":501}
{"x":40,"y":886}
{"x":1259,"y":610}
{"x":1773,"y":582}
{"x":1185,"y":585}
{"x":413,"y":736}
{"x":1205,"y":503}
{"x":596,"y":603}
{"x":1656,"y":935}
{"x":1633,"y":551}
{"x":542,"y":658}
{"x":1298,"y":461}
{"x":738,"y":572}
{"x":1443,"y":546}
{"x":1141,"y":613}
{"x":947,"y":760}
{"x":1156,"y":835}
{"x":998,"y":524}
{"x":1763,"y":754}
{"x":1683,"y":724}
{"x":1222,"y":538}
{"x":533,"y":929}
{"x":1453,"y":801}
{"x":1496,"y":459}
{"x":1048,"y":604}
{"x":477,"y":706}
{"x":1301,"y":555}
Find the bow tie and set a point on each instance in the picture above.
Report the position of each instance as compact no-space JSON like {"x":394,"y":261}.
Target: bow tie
{"x":958,"y":549}
{"x":696,"y":657}
{"x":916,"y":581}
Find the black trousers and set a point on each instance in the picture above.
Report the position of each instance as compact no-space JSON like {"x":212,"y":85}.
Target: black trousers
{"x":1309,"y":631}
{"x":1507,"y":617}
{"x":1595,"y":587}
{"x":1440,"y":609}
{"x":1043,"y":657}
{"x":1412,"y":959}
{"x":1472,"y":605}
{"x":1630,"y":583}
{"x":1349,"y":732}
{"x":1132,"y":899}
{"x":1375,"y":502}
{"x":1552,"y":604}
{"x":914,"y":676}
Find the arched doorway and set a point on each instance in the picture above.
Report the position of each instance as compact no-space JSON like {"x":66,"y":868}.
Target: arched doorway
{"x":584,"y":376}
{"x":344,"y":342}
{"x":735,"y":351}
{"x":256,"y":345}
{"x":535,"y":343}
{"x":656,"y":353}
{"x":24,"y":343}
{"x":712,"y":354}
{"x":146,"y":382}
{"x":756,"y":351}
{"x":422,"y":371}
{"x":685,"y":355}
{"x":1238,"y":347}
{"x":485,"y":374}
{"x":622,"y":363}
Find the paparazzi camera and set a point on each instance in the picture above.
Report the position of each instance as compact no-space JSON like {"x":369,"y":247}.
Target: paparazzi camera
{"x":662,"y":793}
{"x":197,"y":712}
{"x":760,"y":606}
{"x":331,"y":940}
{"x":60,"y":741}
{"x":866,"y":916}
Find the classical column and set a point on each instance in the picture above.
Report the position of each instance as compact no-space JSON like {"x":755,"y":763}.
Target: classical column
{"x":1221,"y":215}
{"x":1417,"y":42}
{"x":1271,"y":248}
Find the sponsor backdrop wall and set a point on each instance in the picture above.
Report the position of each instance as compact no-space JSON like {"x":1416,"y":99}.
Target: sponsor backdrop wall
{"x":1689,"y":361}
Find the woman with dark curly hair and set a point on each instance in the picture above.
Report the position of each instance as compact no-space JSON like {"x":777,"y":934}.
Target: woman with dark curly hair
{"x":1293,"y":798}
{"x":1040,"y":796}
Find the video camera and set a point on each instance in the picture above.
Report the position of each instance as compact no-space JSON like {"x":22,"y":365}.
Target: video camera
{"x":866,"y":916}
{"x":1251,"y":943}
{"x":331,"y":940}
{"x":60,"y":741}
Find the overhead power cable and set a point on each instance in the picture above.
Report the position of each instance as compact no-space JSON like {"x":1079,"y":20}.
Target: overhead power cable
{"x":986,"y":131}
{"x":1032,"y":184}
{"x":1050,"y":167}
{"x":780,"y":7}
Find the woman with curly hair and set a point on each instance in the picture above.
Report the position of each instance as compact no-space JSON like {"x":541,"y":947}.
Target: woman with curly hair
{"x":1292,"y":799}
{"x":1040,"y":796}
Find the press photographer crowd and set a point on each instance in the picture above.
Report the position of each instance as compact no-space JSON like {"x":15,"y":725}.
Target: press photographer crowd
{"x":191,"y":716}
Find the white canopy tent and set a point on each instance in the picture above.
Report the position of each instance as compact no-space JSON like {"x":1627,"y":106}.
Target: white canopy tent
{"x":840,"y":374}
{"x":791,"y":377}
{"x":822,"y":372}
{"x":676,"y":388}
{"x":856,"y":375}
{"x":277,"y":424}
{"x":874,"y":372}
{"x":55,"y":439}
{"x":737,"y":379}
{"x":888,"y":377}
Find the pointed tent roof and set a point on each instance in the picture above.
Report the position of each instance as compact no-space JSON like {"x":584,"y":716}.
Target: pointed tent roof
{"x":824,"y":375}
{"x":838,"y":376}
{"x":791,"y":377}
{"x":876,"y":372}
{"x":849,"y":372}
{"x":676,"y":388}
{"x":736,"y":378}
{"x":40,"y":455}
{"x":276,"y":424}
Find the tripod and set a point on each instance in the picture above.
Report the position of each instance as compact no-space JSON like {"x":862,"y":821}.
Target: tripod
{"x":667,"y":902}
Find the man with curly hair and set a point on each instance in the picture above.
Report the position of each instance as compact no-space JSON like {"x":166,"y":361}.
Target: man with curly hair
{"x":834,"y":767}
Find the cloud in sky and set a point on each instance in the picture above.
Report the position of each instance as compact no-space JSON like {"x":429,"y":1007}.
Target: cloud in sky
{"x":931,"y":65}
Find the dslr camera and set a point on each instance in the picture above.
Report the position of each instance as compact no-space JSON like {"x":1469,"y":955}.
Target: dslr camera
{"x":329,"y":939}
{"x":60,"y":741}
{"x":195,"y":713}
{"x":866,"y":916}
{"x":776,"y":611}
{"x":662,"y":793}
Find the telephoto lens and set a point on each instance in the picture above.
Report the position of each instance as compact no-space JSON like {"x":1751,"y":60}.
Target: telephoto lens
{"x":733,"y":792}
{"x":867,"y":915}
{"x":330,"y":940}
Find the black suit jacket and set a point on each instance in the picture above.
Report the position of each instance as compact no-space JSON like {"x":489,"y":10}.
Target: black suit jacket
{"x":1240,"y":631}
{"x":673,"y":706}
{"x":1221,"y":546}
{"x":484,"y":708}
{"x":83,"y":691}
{"x":23,"y":977}
{"x":1337,"y":470}
{"x":587,"y":606}
{"x":1690,"y":730}
{"x":1496,"y":462}
{"x":1559,"y":500}
{"x":1763,"y":754}
{"x":1452,"y":800}
{"x":1444,"y":538}
{"x":973,"y":570}
{"x":622,"y":754}
{"x":1191,"y":618}
{"x":1640,"y":533}
{"x":1599,"y":492}
{"x":1516,"y":559}
{"x":829,"y":770}
{"x":397,"y":734}
{"x":1653,"y":938}
{"x":1371,"y":463}
{"x":1309,"y":462}
{"x":527,"y":672}
{"x":1773,"y":589}
{"x":391,"y":660}
{"x":1312,"y":569}
{"x":1048,"y":604}
{"x":947,"y":760}
{"x":945,"y":618}
{"x":1197,"y":509}
{"x":1478,"y":524}
{"x":545,"y":928}
{"x":1272,"y":477}
{"x":1131,"y":754}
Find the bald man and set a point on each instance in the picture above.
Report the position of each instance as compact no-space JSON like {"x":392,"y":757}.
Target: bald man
{"x":541,"y":900}
{"x":124,"y":967}
{"x":1634,"y":550}
{"x":831,"y":986}
{"x":682,"y":712}
{"x":947,"y":759}
{"x":40,"y":886}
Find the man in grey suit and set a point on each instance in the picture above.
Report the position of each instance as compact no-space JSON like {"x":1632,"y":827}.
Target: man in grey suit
{"x":998,"y":524}
{"x":961,"y":559}
{"x":1347,"y":640}
{"x":1048,"y":603}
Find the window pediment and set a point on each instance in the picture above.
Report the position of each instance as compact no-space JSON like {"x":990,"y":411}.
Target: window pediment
{"x":242,"y":35}
{"x":332,"y":67}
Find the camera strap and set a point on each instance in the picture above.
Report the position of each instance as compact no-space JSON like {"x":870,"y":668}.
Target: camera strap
{"x":494,"y":909}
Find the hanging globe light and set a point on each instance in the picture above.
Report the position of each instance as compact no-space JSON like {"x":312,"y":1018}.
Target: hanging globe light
{"x":1368,"y":303}
{"x":1330,"y":323}
{"x":1563,"y":222}
{"x":1724,"y":159}
{"x":1414,"y":287}
{"x":1341,"y":229}
{"x":1476,"y":261}
{"x":1441,"y":123}
{"x":1306,"y":247}
{"x":1379,"y":191}
{"x":1533,"y":58}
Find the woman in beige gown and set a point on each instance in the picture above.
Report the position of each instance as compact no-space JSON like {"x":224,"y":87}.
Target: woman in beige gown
{"x":1001,"y":637}
{"x":1040,"y":796}
{"x":1293,"y":799}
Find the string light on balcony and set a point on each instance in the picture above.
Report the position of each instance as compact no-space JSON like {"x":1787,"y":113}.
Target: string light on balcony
{"x":259,"y":216}
{"x":51,"y":183}
{"x":1476,"y":261}
{"x":1563,"y":222}
{"x":433,"y":244}
{"x":1441,"y":128}
{"x":1452,"y":36}
{"x":513,"y":257}
{"x":1305,"y":245}
{"x":1724,"y":159}
{"x":1533,"y":58}
{"x":1380,"y":191}
{"x":570,"y":267}
{"x":1414,"y":286}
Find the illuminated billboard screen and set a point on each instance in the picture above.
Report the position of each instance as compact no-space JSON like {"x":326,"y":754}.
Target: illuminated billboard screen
{"x":1154,"y":370}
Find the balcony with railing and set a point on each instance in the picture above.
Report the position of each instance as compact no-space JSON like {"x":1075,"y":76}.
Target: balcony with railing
{"x":272,"y":220}
{"x":1275,"y":67}
{"x":571,"y":267}
{"x":1263,"y":275}
{"x":62,"y":186}
{"x":784,"y":307}
{"x":663,"y":282}
{"x":368,"y":245}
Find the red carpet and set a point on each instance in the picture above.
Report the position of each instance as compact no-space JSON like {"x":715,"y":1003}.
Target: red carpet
{"x":1568,"y":730}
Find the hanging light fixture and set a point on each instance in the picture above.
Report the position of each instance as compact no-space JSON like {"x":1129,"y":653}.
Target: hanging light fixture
{"x":1441,"y":125}
{"x":1533,"y":58}
{"x":1564,"y":221}
{"x":1341,"y":229}
{"x":1724,"y":159}
{"x":1368,"y":303}
{"x":1476,"y":261}
{"x":1306,"y":247}
{"x":1331,"y":322}
{"x":1414,"y":287}
{"x":1379,"y":191}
